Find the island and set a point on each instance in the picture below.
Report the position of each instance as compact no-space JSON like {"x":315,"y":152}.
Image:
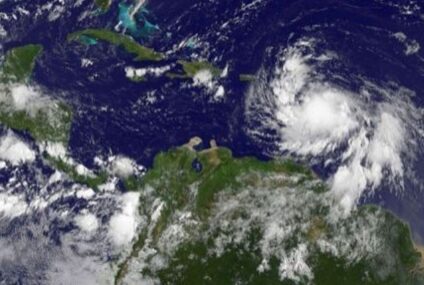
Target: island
{"x":247,"y":77}
{"x":185,"y":69}
{"x":103,"y":5}
{"x":192,"y":68}
{"x":126,"y":42}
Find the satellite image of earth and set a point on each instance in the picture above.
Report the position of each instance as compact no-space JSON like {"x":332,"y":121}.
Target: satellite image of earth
{"x":212,"y":142}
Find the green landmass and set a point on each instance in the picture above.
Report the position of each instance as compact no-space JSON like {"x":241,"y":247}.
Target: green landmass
{"x":174,"y":75}
{"x":19,"y":63}
{"x":138,"y":78}
{"x":193,"y":264}
{"x":87,"y":40}
{"x":141,"y":53}
{"x":95,"y":178}
{"x":188,"y":68}
{"x":49,"y":123}
{"x":172,"y":173}
{"x":174,"y":181}
{"x":93,"y":181}
{"x":52,"y":123}
{"x":133,"y":183}
{"x":191,"y":68}
{"x":247,"y":77}
{"x":103,"y":4}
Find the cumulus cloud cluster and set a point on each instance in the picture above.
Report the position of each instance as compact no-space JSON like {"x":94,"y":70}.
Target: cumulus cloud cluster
{"x":15,"y":150}
{"x":52,"y":242}
{"x":21,"y":97}
{"x":365,"y":140}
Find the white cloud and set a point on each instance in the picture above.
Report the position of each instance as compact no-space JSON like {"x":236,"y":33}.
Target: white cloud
{"x":294,"y":266}
{"x":27,"y":98}
{"x":85,"y":62}
{"x":82,"y":170}
{"x":69,"y":268}
{"x":220,"y":92}
{"x":15,"y":151}
{"x":204,"y":78}
{"x":411,"y":46}
{"x":123,"y":225}
{"x":109,"y":186}
{"x":122,"y":166}
{"x":56,"y":150}
{"x":132,"y":72}
{"x":85,"y":193}
{"x":284,"y":217}
{"x":12,"y":206}
{"x":365,"y":141}
{"x":23,"y":95}
{"x":320,"y":123}
{"x":87,"y":222}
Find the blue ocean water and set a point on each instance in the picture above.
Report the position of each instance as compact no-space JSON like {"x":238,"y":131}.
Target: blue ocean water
{"x":243,"y":35}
